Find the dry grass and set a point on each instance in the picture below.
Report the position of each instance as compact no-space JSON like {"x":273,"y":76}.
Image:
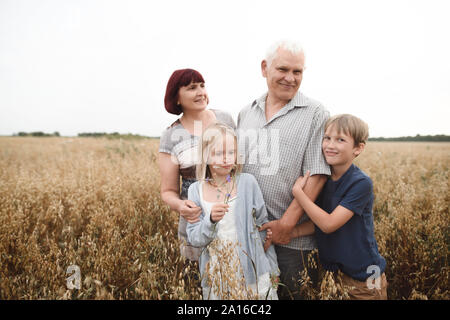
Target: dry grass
{"x":95,"y":203}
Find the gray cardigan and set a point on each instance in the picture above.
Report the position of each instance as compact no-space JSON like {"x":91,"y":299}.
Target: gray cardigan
{"x":249,"y":197}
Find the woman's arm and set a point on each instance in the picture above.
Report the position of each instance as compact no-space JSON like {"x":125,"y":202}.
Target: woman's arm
{"x":170,"y":189}
{"x":328,"y":223}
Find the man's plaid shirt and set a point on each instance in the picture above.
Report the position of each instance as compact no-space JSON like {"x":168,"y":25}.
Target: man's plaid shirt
{"x":279,"y":151}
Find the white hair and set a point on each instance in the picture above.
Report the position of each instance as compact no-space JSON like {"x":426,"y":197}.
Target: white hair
{"x":292,"y":46}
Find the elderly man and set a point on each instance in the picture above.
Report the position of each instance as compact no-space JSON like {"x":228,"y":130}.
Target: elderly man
{"x":289,"y":126}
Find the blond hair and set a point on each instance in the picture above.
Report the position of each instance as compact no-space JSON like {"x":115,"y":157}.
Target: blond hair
{"x":350,"y":125}
{"x":209,"y":138}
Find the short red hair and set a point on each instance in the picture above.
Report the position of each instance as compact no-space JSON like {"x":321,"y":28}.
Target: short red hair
{"x":179,"y":78}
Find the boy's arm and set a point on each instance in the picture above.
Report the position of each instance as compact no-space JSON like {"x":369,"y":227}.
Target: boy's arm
{"x":328,"y":223}
{"x":282,"y":228}
{"x":305,"y":229}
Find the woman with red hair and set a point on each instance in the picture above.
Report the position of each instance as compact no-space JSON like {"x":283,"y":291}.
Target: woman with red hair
{"x":178,"y":150}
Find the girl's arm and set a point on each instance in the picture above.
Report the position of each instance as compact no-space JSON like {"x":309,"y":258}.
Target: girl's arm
{"x":328,"y":223}
{"x":261,"y":217}
{"x":201,"y":233}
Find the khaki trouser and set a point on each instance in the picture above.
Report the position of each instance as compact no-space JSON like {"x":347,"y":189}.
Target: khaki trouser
{"x":359,"y":290}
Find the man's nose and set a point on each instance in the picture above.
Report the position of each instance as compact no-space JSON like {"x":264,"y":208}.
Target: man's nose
{"x":290,"y":77}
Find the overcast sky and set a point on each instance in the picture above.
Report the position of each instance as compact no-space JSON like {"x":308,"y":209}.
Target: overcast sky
{"x":102,"y":66}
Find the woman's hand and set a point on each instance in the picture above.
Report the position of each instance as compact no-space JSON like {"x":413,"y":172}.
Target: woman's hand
{"x":300,"y":183}
{"x":190,"y":211}
{"x":218,"y":211}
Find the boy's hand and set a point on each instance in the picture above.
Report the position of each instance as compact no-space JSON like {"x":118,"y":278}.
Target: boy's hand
{"x":300,"y":183}
{"x":218,"y":211}
{"x":268,"y":240}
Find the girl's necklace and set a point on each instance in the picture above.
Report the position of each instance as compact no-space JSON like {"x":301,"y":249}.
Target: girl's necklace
{"x":218,"y":188}
{"x":228,"y":179}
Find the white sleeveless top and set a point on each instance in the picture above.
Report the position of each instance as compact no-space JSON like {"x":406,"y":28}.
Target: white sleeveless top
{"x":227,"y":226}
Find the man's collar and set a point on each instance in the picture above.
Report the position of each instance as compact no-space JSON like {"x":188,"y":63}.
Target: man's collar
{"x":260,"y":102}
{"x":299,"y":100}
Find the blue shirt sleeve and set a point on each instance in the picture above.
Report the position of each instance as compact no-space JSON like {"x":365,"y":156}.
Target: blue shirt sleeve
{"x":358,"y":196}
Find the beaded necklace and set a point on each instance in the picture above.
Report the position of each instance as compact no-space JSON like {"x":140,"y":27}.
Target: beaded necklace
{"x":219,"y":187}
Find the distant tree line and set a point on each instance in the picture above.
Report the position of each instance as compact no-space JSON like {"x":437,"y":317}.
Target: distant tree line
{"x":114,"y":135}
{"x":37,"y":134}
{"x":97,"y":134}
{"x":418,"y":137}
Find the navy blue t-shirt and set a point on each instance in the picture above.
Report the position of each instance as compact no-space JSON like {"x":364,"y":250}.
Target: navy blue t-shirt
{"x":352,"y":248}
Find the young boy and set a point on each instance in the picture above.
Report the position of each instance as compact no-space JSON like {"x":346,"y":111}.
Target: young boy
{"x":343,"y":214}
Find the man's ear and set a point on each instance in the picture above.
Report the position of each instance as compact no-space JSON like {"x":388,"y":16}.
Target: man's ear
{"x":264,"y":68}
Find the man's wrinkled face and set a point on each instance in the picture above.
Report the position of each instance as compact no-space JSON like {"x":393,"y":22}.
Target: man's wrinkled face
{"x":284,"y":75}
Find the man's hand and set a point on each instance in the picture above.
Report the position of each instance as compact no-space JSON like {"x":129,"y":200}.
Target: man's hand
{"x":281,"y":232}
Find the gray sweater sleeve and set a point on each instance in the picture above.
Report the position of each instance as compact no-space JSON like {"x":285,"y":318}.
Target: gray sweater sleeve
{"x":262,"y":218}
{"x":200,"y":233}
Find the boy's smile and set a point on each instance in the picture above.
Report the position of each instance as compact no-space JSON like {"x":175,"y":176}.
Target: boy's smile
{"x":339,"y":149}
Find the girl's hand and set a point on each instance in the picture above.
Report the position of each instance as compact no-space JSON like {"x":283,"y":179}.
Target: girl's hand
{"x":300,"y":183}
{"x":190,"y":211}
{"x":218,"y":211}
{"x":268,"y":240}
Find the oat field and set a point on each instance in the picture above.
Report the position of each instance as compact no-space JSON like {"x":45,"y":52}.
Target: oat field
{"x":95,"y":203}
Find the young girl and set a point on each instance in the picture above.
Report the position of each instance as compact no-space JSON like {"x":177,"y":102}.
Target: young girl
{"x":235,"y":261}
